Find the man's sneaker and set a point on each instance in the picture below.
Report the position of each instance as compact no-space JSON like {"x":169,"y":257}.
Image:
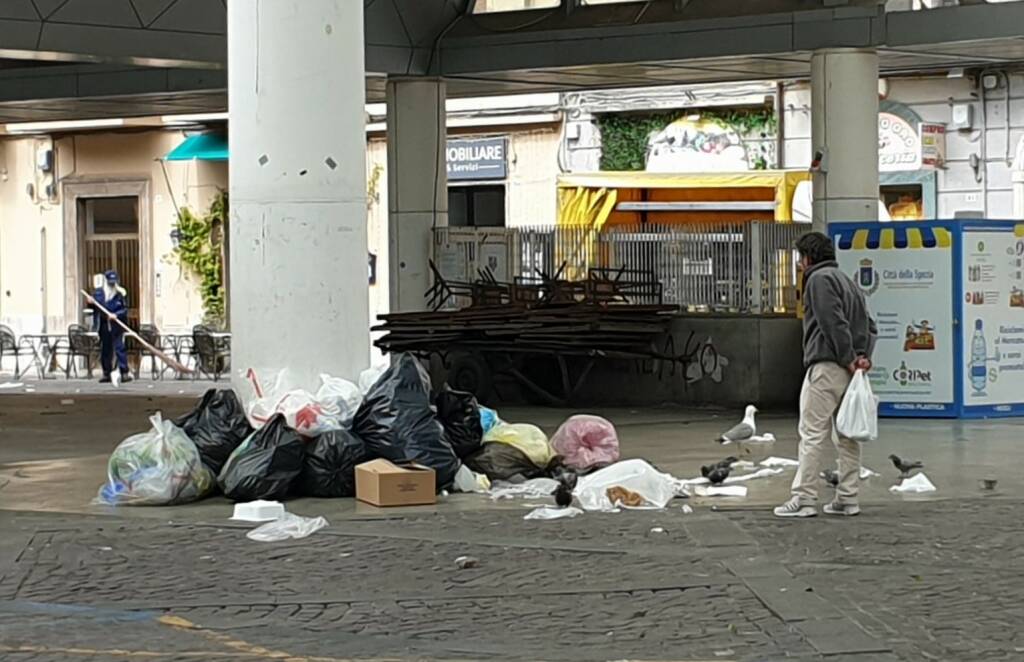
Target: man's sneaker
{"x":793,"y":508}
{"x":841,"y":509}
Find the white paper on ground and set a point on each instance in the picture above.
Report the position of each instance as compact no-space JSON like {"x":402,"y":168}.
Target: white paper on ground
{"x":288,"y":526}
{"x":779,"y":462}
{"x":466,"y":480}
{"x":721,"y":490}
{"x":915,"y":485}
{"x":746,"y":465}
{"x":866,"y":473}
{"x":11,"y":385}
{"x":535,"y":488}
{"x":551,"y":512}
{"x":656,"y":488}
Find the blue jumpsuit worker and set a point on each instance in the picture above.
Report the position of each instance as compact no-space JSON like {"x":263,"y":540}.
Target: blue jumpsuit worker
{"x":112,"y":297}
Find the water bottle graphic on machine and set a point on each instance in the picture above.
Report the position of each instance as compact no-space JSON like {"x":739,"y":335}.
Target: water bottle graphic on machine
{"x":978,"y":369}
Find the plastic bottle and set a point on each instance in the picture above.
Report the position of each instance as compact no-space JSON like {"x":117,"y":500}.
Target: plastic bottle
{"x":979,"y":369}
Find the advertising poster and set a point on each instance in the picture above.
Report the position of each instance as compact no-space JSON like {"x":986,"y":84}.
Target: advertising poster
{"x":993,"y":314}
{"x":906,"y":275}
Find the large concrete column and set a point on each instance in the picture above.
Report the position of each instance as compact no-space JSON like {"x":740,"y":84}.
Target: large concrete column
{"x":844,"y":134}
{"x":298,"y":188}
{"x":417,"y":185}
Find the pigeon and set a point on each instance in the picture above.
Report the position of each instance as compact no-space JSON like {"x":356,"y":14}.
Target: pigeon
{"x":717,"y":475}
{"x":725,"y":463}
{"x":905,"y":466}
{"x":566,"y":484}
{"x":563,"y":496}
{"x":742,"y":432}
{"x":830,"y":476}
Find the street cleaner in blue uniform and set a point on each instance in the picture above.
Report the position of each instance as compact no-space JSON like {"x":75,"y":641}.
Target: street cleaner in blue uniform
{"x":113,"y":298}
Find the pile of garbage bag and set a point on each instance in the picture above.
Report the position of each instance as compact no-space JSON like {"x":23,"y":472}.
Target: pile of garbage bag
{"x":283,"y":441}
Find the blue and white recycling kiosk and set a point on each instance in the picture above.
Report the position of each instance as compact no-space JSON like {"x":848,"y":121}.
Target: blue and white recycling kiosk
{"x":948,"y":297}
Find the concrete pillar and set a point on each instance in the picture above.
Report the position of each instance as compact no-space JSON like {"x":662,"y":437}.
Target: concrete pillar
{"x":417,"y":185}
{"x":844,"y":135}
{"x":298,"y":188}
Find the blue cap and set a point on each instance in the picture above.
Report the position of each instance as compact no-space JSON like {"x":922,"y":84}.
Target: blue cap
{"x":111,"y":276}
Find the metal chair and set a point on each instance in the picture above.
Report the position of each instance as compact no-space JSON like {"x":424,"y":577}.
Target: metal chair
{"x":212,"y":353}
{"x":81,"y":344}
{"x":9,"y":346}
{"x":151,"y":334}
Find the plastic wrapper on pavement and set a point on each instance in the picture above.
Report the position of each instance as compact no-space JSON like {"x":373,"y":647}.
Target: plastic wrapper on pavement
{"x":287,"y":527}
{"x":329,"y":467}
{"x":529,"y":439}
{"x":503,"y":462}
{"x":636,"y":476}
{"x":157,"y":468}
{"x":586,"y":441}
{"x":265,"y":465}
{"x":467,"y":480}
{"x":217,"y":425}
{"x":459,"y":413}
{"x":398,"y":422}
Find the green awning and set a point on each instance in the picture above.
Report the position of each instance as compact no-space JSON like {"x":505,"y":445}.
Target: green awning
{"x":202,"y":146}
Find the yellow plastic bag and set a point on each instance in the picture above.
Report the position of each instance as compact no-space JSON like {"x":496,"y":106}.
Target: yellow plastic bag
{"x":527,"y":438}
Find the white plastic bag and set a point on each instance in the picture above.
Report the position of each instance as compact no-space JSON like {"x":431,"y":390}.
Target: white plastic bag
{"x":288,"y":526}
{"x":340,"y":393}
{"x":656,"y":488}
{"x":305,"y":414}
{"x":535,"y":488}
{"x":156,"y":468}
{"x":916,"y":484}
{"x":858,"y":414}
{"x":467,"y":480}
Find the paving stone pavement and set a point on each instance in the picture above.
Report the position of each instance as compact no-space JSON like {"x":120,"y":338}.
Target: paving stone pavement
{"x":906,"y":581}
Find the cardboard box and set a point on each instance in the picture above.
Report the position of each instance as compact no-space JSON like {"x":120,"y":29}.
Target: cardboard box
{"x":384,"y":483}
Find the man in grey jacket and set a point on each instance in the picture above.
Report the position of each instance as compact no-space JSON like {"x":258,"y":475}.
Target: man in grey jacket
{"x":839,"y":336}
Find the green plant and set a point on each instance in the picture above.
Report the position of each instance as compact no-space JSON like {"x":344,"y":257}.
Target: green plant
{"x":199,"y":249}
{"x":624,"y":138}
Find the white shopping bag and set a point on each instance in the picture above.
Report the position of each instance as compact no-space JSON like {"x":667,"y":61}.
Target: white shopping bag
{"x":858,"y":414}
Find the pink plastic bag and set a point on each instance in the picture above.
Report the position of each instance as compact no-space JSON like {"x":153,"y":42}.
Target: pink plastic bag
{"x":586,"y":441}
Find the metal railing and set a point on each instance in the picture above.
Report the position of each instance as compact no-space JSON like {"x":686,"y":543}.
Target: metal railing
{"x":712,"y":267}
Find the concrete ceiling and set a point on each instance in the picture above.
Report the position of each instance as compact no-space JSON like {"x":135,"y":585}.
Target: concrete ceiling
{"x":78,"y":59}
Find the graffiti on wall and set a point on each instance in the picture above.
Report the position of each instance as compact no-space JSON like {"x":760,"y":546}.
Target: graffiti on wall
{"x":699,"y":360}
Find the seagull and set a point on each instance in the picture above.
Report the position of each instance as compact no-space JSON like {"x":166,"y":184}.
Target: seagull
{"x":742,"y":432}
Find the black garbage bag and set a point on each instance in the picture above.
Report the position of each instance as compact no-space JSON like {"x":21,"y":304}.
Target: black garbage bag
{"x":459,"y":413}
{"x":329,"y":468}
{"x":217,"y":425}
{"x":265,"y":465}
{"x":502,"y":462}
{"x":397,"y":421}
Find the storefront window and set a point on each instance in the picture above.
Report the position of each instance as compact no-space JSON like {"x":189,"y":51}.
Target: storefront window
{"x":904,"y":202}
{"x":476,"y":206}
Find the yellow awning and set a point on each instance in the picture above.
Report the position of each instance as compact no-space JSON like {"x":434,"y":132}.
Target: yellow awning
{"x":604,"y":183}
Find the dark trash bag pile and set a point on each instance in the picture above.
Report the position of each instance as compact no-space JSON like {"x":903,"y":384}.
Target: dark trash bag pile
{"x":397,"y":421}
{"x":330,"y":463}
{"x":217,"y":426}
{"x":265,"y":465}
{"x":459,"y":413}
